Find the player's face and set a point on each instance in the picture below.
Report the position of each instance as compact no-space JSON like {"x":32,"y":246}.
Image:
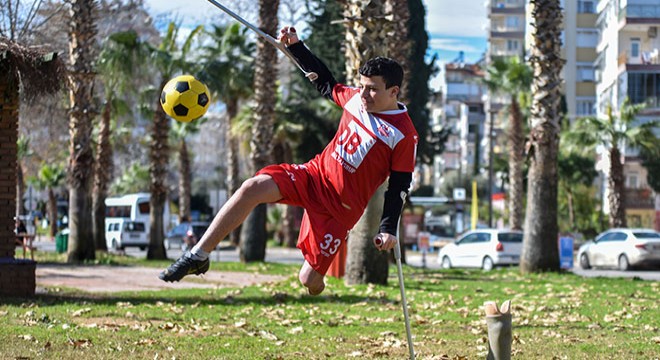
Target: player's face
{"x":375,"y":96}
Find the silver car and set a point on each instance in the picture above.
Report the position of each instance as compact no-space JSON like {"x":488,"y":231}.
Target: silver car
{"x":621,"y":248}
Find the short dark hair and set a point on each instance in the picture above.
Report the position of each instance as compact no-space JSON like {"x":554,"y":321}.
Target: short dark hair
{"x":389,"y":69}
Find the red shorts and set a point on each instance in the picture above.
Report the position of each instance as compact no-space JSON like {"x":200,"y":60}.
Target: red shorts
{"x":321,"y":235}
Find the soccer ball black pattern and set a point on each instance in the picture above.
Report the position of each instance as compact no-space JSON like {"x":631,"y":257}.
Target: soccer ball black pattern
{"x":185,"y":98}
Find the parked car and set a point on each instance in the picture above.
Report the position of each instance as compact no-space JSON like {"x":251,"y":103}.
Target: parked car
{"x":621,"y":248}
{"x":122,"y":233}
{"x":484,"y":248}
{"x":185,"y":235}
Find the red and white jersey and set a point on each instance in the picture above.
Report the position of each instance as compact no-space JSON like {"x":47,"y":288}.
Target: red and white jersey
{"x":366,"y":147}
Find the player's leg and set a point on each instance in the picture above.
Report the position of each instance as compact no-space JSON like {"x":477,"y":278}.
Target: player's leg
{"x":257,"y":190}
{"x":311,"y":279}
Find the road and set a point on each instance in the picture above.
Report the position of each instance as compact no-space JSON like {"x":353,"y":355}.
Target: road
{"x":293,"y":256}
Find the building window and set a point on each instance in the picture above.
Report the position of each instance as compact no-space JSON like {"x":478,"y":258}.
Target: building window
{"x":587,"y":38}
{"x":585,"y":108}
{"x":585,"y":73}
{"x":586,"y":7}
{"x":632,"y":180}
{"x":512,"y":45}
{"x":634,"y":47}
{"x":512,"y":22}
{"x":644,"y":88}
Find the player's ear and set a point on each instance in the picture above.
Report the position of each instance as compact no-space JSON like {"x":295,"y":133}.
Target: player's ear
{"x":394,"y":90}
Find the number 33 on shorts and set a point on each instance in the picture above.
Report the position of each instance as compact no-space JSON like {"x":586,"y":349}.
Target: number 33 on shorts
{"x":330,"y":244}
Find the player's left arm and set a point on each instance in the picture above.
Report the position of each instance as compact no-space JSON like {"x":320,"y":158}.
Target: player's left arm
{"x":395,"y":198}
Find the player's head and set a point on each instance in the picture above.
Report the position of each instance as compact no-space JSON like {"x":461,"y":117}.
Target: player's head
{"x":380,"y":83}
{"x":389,"y":69}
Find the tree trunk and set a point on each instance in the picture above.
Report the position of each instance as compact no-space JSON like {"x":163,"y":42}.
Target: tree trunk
{"x":20,"y":189}
{"x":253,"y":237}
{"x":516,"y":150}
{"x":233,"y":177}
{"x":102,"y":176}
{"x":159,"y":158}
{"x":82,"y":34}
{"x":616,"y":195}
{"x":184,"y":182}
{"x":540,"y":251}
{"x":52,"y":212}
{"x":254,"y":250}
{"x":9,"y":105}
{"x":364,"y":263}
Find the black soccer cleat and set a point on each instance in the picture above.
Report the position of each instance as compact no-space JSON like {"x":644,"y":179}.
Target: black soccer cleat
{"x":185,"y":265}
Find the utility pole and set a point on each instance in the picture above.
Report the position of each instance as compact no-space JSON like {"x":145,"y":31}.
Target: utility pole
{"x":490,"y":171}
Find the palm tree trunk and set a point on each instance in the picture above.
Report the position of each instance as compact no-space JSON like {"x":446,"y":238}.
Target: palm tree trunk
{"x":9,"y":105}
{"x":616,"y":193}
{"x":81,"y":81}
{"x":516,"y":149}
{"x":52,"y":212}
{"x":364,"y":263}
{"x":233,"y":177}
{"x":184,"y":182}
{"x":254,"y":236}
{"x":20,"y":188}
{"x":540,"y":251}
{"x":102,"y":176}
{"x":159,"y":157}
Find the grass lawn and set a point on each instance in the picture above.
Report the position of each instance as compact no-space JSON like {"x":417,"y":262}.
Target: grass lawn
{"x":555,"y":316}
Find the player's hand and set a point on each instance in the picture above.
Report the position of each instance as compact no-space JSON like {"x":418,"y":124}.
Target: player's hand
{"x":385,"y":241}
{"x":288,"y":36}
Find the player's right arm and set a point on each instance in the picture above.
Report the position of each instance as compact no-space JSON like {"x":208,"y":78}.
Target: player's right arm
{"x":309,"y":62}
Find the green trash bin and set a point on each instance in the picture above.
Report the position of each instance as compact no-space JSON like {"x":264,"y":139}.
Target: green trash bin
{"x":62,"y":241}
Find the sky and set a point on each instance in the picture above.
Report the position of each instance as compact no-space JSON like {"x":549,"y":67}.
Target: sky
{"x":453,"y":26}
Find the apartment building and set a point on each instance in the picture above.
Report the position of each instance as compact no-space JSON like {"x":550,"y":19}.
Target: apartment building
{"x":579,"y":39}
{"x":506,"y":38}
{"x":628,"y":65}
{"x":463,"y":112}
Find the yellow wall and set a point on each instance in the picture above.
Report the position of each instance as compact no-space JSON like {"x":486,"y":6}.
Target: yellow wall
{"x":585,"y":54}
{"x":586,"y":20}
{"x":585,"y":88}
{"x":640,"y":218}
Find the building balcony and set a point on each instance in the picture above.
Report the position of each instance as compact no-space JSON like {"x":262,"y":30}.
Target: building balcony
{"x":517,"y":34}
{"x":640,"y":13}
{"x":639,"y":199}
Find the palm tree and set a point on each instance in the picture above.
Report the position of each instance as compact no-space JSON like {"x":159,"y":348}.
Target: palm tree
{"x":253,"y":236}
{"x":180,"y":131}
{"x":540,"y":251}
{"x":115,"y":65}
{"x":368,"y":34}
{"x":36,"y":73}
{"x":613,"y":133}
{"x":228,"y":73}
{"x":49,"y":178}
{"x":167,"y":59}
{"x":82,"y":40}
{"x":513,"y":78}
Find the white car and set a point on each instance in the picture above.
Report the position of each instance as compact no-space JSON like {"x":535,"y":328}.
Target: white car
{"x":621,"y":248}
{"x":483,"y":248}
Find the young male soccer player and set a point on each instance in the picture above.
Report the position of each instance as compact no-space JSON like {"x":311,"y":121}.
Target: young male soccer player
{"x":375,"y":139}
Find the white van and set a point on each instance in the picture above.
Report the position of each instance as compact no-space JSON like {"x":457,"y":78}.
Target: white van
{"x":135,"y":207}
{"x":121,"y":233}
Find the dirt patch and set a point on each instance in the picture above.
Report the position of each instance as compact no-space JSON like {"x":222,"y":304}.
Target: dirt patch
{"x":128,"y":278}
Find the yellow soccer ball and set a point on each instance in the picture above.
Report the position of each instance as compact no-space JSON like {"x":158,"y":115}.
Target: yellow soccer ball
{"x":185,"y":98}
